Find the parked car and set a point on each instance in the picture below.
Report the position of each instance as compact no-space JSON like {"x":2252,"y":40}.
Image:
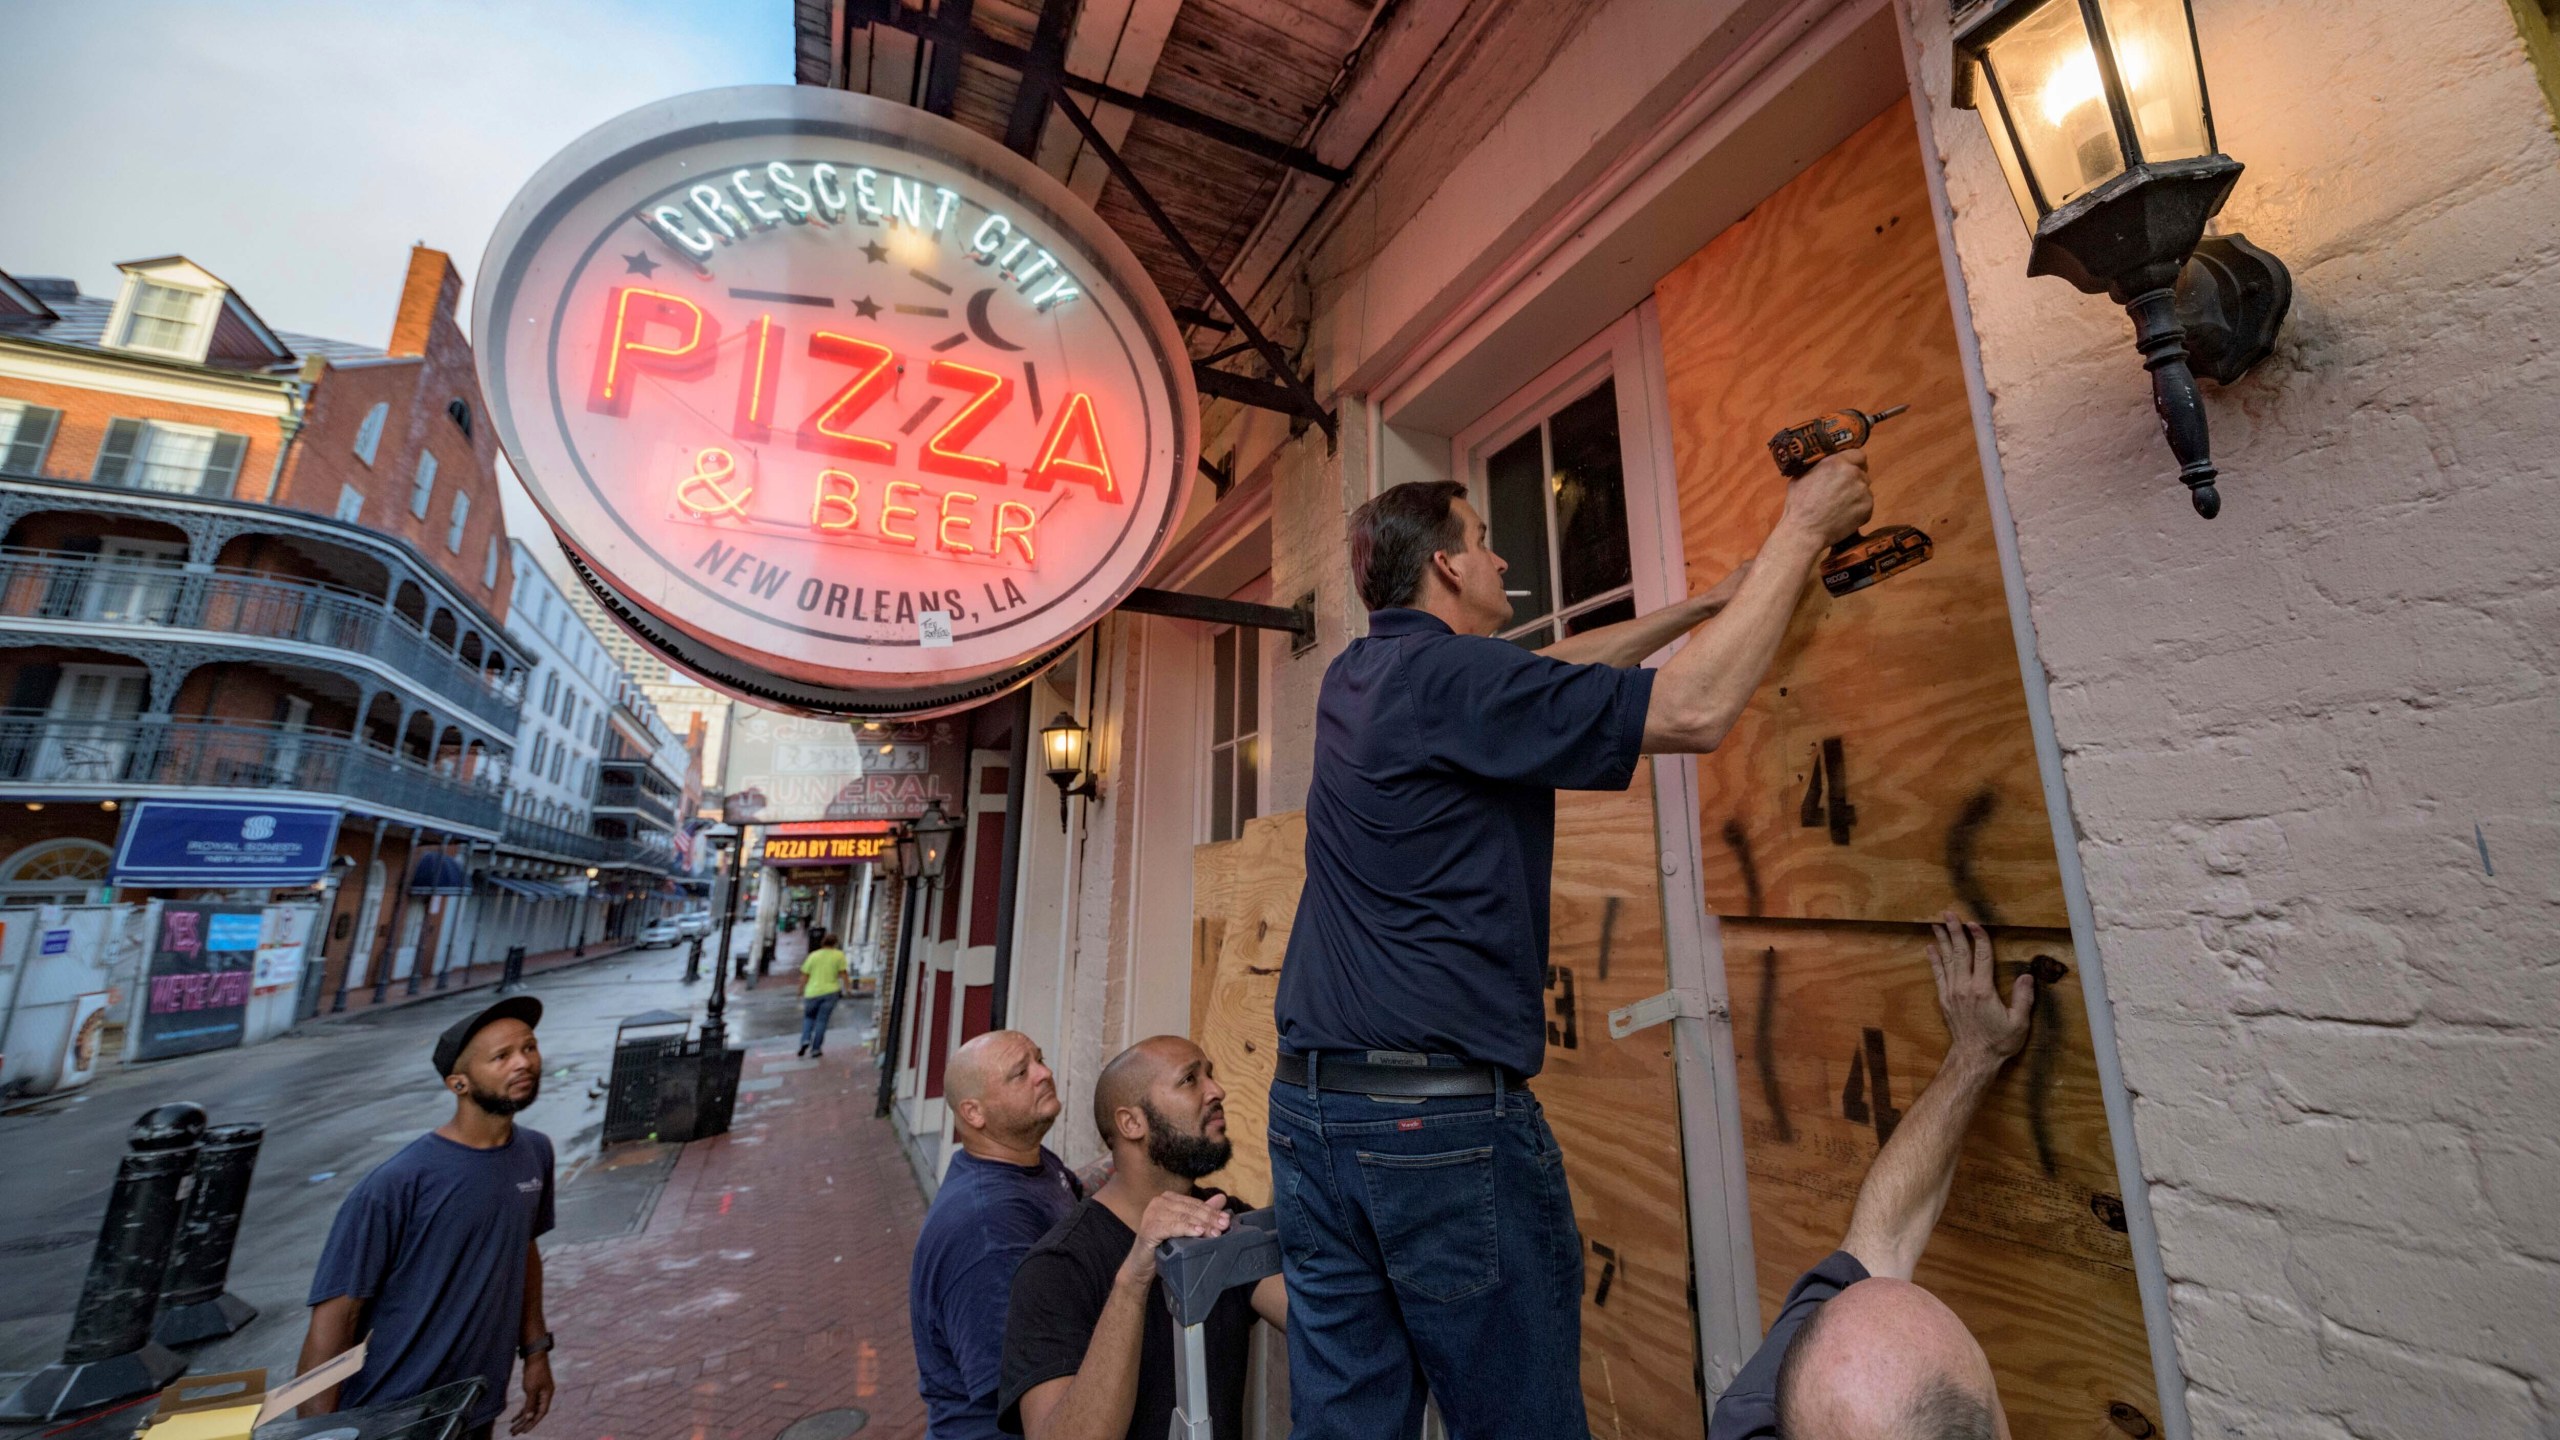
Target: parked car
{"x":694,"y":922}
{"x":661,"y":932}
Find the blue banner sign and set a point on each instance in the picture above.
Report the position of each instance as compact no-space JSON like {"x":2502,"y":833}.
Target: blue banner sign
{"x":223,"y":843}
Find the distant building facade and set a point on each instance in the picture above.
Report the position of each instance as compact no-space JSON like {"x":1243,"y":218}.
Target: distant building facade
{"x":237,"y":560}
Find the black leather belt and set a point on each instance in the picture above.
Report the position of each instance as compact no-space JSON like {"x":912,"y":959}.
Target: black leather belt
{"x":1406,"y":1075}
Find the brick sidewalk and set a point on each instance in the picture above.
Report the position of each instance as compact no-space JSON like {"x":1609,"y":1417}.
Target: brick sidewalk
{"x":770,"y":1282}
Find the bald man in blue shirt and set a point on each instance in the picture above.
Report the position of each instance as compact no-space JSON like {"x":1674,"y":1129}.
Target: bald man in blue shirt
{"x":1429,"y":1235}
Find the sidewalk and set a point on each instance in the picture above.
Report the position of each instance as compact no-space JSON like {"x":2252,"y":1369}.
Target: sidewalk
{"x":466,"y":977}
{"x":768,"y":1286}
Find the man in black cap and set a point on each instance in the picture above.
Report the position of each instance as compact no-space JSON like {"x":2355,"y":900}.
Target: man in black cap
{"x":432,"y":1260}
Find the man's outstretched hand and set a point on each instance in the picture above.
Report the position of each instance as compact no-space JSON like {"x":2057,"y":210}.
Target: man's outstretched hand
{"x":1981,"y":1025}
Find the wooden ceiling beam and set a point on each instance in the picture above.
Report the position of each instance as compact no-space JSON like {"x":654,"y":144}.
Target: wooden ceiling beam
{"x":1042,"y":65}
{"x":950,"y":31}
{"x":891,"y":15}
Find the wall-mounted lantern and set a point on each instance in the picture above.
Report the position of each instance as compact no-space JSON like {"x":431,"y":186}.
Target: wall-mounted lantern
{"x":903,"y":852}
{"x":2099,"y":112}
{"x":1063,"y":744}
{"x":933,"y":831}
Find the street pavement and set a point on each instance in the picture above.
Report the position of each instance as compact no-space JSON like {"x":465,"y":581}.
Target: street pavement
{"x":679,"y":1277}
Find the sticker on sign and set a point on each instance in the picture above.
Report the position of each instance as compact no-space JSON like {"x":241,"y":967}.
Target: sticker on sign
{"x":933,"y":628}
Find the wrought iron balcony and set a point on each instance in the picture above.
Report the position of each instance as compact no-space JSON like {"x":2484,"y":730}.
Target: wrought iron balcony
{"x":120,"y":758}
{"x":615,"y":792}
{"x":537,"y":838}
{"x":48,"y":587}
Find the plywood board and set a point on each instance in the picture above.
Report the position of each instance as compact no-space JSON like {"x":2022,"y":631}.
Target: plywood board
{"x":1612,"y":1105}
{"x":1830,"y":294}
{"x":1263,"y":870}
{"x":2031,"y":1250}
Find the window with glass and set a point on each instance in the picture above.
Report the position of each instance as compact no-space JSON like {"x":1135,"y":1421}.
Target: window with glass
{"x":1235,"y":723}
{"x":177,"y":459}
{"x":550,"y":694}
{"x":422,"y":486}
{"x":26,"y":435}
{"x":1554,"y":499}
{"x":453,"y":524}
{"x":369,"y":434}
{"x":165,"y":318}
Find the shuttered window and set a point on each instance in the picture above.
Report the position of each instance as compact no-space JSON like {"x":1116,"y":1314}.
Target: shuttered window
{"x":26,"y":434}
{"x":174,"y":459}
{"x":453,"y":527}
{"x":422,"y":486}
{"x":369,"y":434}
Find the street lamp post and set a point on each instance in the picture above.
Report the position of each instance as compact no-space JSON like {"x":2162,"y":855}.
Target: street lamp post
{"x":580,"y":944}
{"x":725,"y":840}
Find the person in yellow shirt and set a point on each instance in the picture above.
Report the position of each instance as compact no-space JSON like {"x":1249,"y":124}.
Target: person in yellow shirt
{"x":825,"y":969}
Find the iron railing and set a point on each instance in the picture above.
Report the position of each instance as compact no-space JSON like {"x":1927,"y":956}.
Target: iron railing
{"x":43,"y":586}
{"x":532,"y":835}
{"x":611,"y":795}
{"x":131,"y":755}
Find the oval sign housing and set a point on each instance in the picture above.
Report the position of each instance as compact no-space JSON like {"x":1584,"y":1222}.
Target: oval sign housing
{"x":835,"y":402}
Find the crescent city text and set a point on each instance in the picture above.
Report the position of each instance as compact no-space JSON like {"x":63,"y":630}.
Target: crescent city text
{"x":754,"y":199}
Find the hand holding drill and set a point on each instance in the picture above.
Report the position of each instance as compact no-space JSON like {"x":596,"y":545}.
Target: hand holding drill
{"x":1805,"y":454}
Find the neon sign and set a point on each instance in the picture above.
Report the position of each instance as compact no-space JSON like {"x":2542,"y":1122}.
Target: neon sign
{"x":834,"y":402}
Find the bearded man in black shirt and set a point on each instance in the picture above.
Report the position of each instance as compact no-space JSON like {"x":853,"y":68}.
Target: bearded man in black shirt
{"x":1088,"y":1343}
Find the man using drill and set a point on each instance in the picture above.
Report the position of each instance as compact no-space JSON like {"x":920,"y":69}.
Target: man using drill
{"x":1430,"y":1239}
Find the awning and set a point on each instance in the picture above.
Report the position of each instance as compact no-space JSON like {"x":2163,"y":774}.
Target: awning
{"x":439,"y":874}
{"x":529,"y":889}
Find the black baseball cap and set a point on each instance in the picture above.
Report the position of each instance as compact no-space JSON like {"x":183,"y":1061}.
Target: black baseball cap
{"x":449,"y":1045}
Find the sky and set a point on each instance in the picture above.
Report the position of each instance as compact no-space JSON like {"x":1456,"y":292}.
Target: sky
{"x":297,"y":148}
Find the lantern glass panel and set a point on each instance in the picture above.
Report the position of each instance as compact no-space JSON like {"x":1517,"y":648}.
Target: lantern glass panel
{"x":2047,"y":75}
{"x":2155,"y":47}
{"x":2008,"y":152}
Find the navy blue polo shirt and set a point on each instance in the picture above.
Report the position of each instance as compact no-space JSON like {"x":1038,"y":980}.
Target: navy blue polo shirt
{"x":1431,"y":836}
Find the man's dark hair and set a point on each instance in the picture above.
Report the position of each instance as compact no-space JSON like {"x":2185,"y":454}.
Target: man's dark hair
{"x":1947,"y":1410}
{"x":1394,"y":536}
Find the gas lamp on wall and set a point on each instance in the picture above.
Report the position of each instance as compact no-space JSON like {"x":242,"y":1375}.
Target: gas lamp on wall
{"x":931,"y":832}
{"x":2099,"y":113}
{"x":1063,"y":744}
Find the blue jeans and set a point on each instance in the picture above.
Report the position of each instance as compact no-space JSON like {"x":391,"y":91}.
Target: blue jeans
{"x":814,"y":1014}
{"x":1427,"y":1242}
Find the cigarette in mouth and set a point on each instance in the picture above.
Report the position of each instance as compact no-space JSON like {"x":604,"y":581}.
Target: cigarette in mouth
{"x":1515,"y":594}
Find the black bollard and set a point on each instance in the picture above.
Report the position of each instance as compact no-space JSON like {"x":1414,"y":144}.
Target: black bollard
{"x":111,"y":1355}
{"x":193,"y":1305}
{"x":693,"y":960}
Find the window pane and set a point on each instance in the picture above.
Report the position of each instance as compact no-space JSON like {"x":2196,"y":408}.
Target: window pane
{"x":2156,"y":58}
{"x":1516,"y":515}
{"x":173,"y":460}
{"x":1222,"y":795}
{"x":1591,"y":496}
{"x":161,"y":317}
{"x":1623,"y":608}
{"x":1222,"y":688}
{"x":1248,"y":781}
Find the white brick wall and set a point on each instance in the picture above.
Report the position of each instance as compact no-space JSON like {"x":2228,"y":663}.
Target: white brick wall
{"x":2280,"y":728}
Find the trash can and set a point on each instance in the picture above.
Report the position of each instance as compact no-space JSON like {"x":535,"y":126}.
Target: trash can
{"x":697,"y":1091}
{"x":632,"y":1095}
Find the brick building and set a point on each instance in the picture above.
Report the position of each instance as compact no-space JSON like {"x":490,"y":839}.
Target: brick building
{"x":233,"y":558}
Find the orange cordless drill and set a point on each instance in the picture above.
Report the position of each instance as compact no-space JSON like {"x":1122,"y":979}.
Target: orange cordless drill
{"x":1865,"y":558}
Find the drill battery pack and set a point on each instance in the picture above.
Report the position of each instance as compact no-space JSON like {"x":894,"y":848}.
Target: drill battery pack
{"x":1862,"y":560}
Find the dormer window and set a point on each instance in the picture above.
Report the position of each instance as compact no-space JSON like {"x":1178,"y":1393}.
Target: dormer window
{"x":460,"y":411}
{"x":165,"y":318}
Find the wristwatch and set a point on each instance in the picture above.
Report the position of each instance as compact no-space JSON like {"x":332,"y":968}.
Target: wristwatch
{"x":531,"y":1348}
